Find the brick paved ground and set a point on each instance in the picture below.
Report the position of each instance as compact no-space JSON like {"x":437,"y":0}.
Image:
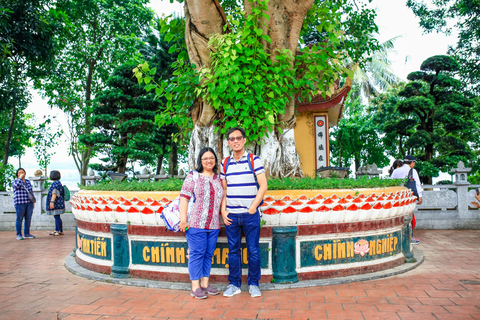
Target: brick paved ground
{"x":34,"y":284}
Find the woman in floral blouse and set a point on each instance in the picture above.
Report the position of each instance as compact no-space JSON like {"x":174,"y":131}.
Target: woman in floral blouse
{"x":56,"y":202}
{"x":202,"y":223}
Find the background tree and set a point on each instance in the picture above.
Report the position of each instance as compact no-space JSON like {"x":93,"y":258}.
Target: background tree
{"x":165,"y":142}
{"x":357,"y":139}
{"x":44,"y":141}
{"x":121,"y":112}
{"x":99,"y":36}
{"x":441,"y":121}
{"x":439,"y":15}
{"x":27,"y":29}
{"x":394,"y":126}
{"x":247,"y":71}
{"x":21,"y":138}
{"x":376,"y":76}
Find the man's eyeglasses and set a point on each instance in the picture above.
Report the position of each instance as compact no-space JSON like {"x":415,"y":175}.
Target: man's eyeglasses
{"x":238,"y":138}
{"x":208,"y":159}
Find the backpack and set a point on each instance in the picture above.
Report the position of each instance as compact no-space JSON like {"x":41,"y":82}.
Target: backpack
{"x":251,"y":165}
{"x":66,"y":193}
{"x":171,"y":212}
{"x":411,"y":183}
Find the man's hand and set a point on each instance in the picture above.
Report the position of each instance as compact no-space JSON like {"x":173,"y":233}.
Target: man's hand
{"x":420,"y":200}
{"x":252,"y":210}
{"x":226,"y":219}
{"x":22,"y":176}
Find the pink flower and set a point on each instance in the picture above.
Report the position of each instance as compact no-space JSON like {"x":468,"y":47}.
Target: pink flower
{"x":362,"y":247}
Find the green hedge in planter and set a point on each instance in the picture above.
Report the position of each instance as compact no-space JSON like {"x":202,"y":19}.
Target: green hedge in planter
{"x":174,"y":184}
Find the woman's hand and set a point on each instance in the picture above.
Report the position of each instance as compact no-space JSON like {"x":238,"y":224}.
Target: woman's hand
{"x":226,"y":219}
{"x":183,"y":226}
{"x":52,"y":205}
{"x":252,"y":210}
{"x":477,"y":196}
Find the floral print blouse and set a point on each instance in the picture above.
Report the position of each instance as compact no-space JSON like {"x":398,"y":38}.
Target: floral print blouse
{"x":208,"y":195}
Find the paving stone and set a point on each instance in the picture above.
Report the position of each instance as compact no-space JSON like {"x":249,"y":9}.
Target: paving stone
{"x":35,"y":284}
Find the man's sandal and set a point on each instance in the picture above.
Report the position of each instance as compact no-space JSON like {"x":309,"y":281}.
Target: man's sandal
{"x":52,"y":233}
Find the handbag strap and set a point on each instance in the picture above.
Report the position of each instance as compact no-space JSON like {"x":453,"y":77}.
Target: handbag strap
{"x":410,"y":174}
{"x":25,"y":187}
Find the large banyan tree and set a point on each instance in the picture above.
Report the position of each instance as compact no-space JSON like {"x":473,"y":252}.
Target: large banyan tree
{"x":250,"y":63}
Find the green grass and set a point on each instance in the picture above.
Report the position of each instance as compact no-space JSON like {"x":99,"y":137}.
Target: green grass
{"x":174,"y":184}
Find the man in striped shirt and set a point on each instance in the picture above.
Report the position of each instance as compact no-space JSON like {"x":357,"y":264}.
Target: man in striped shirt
{"x":240,"y":211}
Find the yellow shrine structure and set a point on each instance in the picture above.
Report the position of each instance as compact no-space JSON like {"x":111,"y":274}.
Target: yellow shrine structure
{"x":311,"y":132}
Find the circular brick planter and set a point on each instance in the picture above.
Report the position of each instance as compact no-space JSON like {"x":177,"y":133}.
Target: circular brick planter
{"x":308,"y":234}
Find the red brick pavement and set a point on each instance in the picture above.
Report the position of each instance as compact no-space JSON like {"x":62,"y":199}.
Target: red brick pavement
{"x":34,"y":284}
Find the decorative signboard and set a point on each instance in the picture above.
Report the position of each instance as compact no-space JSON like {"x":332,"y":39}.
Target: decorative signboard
{"x":348,"y":250}
{"x":321,"y":141}
{"x":95,"y":246}
{"x":175,"y":254}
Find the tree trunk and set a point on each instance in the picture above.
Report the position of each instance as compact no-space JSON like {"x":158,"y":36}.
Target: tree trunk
{"x":173,"y":160}
{"x":159,"y":164}
{"x":205,"y":18}
{"x":9,"y":136}
{"x":87,"y":152}
{"x":279,"y":155}
{"x":204,"y":137}
{"x":357,"y":163}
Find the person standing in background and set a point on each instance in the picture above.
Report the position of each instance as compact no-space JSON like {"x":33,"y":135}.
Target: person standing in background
{"x":402,"y":173}
{"x":56,"y":202}
{"x":23,"y":205}
{"x":396,"y":164}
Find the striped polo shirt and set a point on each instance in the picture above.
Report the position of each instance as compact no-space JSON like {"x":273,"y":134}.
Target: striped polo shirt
{"x":241,"y":187}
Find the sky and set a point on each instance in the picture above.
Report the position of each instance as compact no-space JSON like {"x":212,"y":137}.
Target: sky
{"x":393,"y":18}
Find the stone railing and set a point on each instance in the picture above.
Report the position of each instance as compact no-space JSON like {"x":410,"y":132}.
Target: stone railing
{"x":444,"y":206}
{"x":40,"y":220}
{"x":449,"y":206}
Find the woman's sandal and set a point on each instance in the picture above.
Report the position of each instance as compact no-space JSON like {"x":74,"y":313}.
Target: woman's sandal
{"x":52,"y":233}
{"x":58,"y":233}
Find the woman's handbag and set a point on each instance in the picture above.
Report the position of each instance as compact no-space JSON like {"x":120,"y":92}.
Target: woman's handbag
{"x":171,"y":212}
{"x":31,"y":197}
{"x":411,"y":183}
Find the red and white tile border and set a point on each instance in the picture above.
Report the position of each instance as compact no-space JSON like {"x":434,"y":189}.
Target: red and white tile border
{"x":280,"y":208}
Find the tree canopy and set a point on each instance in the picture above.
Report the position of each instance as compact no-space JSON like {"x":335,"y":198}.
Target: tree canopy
{"x":439,"y":16}
{"x":248,"y":67}
{"x":122,"y":116}
{"x":28,"y":29}
{"x":433,"y":119}
{"x":97,"y":37}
